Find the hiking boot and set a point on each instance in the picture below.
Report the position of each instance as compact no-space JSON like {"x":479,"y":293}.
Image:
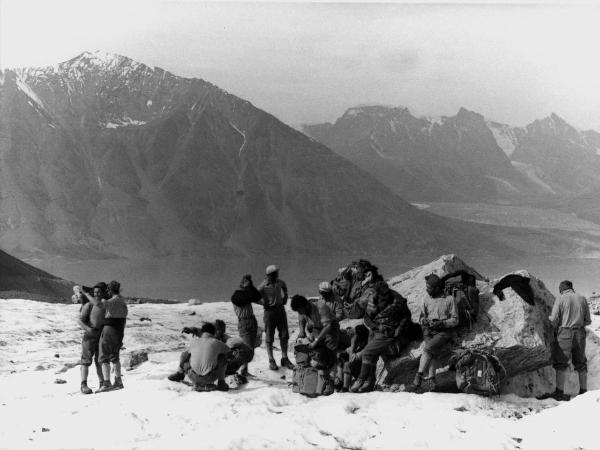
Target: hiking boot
{"x":204,"y":387}
{"x":415,"y":386}
{"x":118,"y":384}
{"x":285,"y":362}
{"x":104,"y":387}
{"x":328,"y":389}
{"x":222,"y":386}
{"x":273,"y":365}
{"x":85,"y":389}
{"x":582,"y":391}
{"x":367,"y":386}
{"x":557,"y":395}
{"x":177,"y":376}
{"x":240,"y":379}
{"x":357,"y":385}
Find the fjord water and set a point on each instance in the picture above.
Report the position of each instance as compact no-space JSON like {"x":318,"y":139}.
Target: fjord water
{"x":215,"y":279}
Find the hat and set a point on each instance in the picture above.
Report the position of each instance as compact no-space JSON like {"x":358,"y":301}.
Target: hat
{"x":272,"y":269}
{"x":324,"y":286}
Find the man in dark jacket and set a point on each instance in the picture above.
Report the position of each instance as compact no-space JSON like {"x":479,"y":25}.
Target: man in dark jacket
{"x":362,"y":291}
{"x":274,"y":295}
{"x":386,"y":316}
{"x":242,"y":300}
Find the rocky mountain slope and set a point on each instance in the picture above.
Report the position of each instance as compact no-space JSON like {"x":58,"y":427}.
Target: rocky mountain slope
{"x":466,"y":157}
{"x":101,"y":155}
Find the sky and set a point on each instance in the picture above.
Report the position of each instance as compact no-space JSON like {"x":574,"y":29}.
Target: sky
{"x":309,"y":62}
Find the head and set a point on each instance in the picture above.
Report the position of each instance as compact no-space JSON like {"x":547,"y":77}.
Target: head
{"x":246,"y":281}
{"x":100,"y":290}
{"x":219,"y":328}
{"x":433,"y":285}
{"x":383,"y":296}
{"x":565,"y":286}
{"x":272,"y":272}
{"x":207,"y":328}
{"x":114,"y":288}
{"x":300,"y":304}
{"x":325,"y":290}
{"x":362,"y":332}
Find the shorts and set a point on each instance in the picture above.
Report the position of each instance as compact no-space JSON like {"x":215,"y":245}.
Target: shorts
{"x":570,"y":346}
{"x":276,"y":318}
{"x":90,"y":347}
{"x":436,"y":341}
{"x":247,"y":329}
{"x":111,"y":340}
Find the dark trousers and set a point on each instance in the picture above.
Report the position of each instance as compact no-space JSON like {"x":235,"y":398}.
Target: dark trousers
{"x":216,"y":374}
{"x":570,"y":346}
{"x":378,"y":345}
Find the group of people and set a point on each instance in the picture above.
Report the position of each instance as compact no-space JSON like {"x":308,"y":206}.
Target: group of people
{"x":346,"y":357}
{"x":102,"y":316}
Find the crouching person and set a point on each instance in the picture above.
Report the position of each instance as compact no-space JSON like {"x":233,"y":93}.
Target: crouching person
{"x":241,"y":353}
{"x":205,"y":361}
{"x":439,"y":316}
{"x":385,"y":316}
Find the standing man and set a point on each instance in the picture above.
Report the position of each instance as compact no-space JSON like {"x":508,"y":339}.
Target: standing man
{"x":91,"y":320}
{"x":570,"y":315}
{"x":274,"y":295}
{"x":242,"y":300}
{"x":111,"y":339}
{"x":439,"y":316}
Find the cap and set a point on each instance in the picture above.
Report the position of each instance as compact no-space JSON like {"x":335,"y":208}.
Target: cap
{"x":272,"y":269}
{"x":324,"y":286}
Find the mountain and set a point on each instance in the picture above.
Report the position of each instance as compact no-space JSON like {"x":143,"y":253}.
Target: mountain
{"x":20,"y":280}
{"x":453,"y":158}
{"x":103,"y":156}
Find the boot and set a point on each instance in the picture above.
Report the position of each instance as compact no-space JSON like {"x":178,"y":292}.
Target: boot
{"x":222,"y":386}
{"x":85,"y":389}
{"x":357,"y":385}
{"x":104,"y":387}
{"x":118,"y":384}
{"x":273,"y":365}
{"x":415,"y":386}
{"x":368,"y":385}
{"x":582,"y":391}
{"x":177,"y":376}
{"x":285,"y":362}
{"x":557,"y":395}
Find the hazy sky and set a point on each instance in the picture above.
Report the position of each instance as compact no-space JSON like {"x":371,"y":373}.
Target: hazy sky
{"x":309,"y":62}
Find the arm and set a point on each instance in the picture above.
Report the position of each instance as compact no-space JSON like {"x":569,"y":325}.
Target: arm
{"x":324,"y":331}
{"x":423,"y":318}
{"x":84,"y":319}
{"x":285,"y":292}
{"x":587,"y":319}
{"x":243,"y":297}
{"x":93,"y":300}
{"x":555,"y":315}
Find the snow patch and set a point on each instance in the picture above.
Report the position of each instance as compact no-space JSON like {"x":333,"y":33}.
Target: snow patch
{"x":354,"y":112}
{"x":243,"y":135}
{"x":376,"y":147}
{"x":24,"y":87}
{"x":530,"y":172}
{"x":505,"y":138}
{"x":393,"y":126}
{"x":421,"y":205}
{"x":125,"y":122}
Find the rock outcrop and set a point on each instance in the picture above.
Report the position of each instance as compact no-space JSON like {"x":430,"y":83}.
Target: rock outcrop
{"x":520,"y":333}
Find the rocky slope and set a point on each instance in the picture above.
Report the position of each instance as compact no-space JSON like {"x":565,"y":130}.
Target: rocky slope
{"x":101,"y":155}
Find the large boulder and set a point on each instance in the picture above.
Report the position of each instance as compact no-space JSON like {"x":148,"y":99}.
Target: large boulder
{"x":520,"y":333}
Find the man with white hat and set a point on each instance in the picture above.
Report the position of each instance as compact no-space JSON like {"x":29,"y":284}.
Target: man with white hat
{"x":274,"y":294}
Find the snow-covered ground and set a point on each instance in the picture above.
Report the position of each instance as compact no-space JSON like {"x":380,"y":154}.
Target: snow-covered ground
{"x":152,"y":412}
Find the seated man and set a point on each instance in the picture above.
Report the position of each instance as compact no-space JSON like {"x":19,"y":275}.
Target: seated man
{"x":439,"y":317}
{"x":205,"y":362}
{"x":352,"y":359}
{"x":385,"y":316}
{"x":317,"y":322}
{"x":241,"y":353}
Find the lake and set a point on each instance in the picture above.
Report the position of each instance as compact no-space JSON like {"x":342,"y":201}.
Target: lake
{"x":215,"y":279}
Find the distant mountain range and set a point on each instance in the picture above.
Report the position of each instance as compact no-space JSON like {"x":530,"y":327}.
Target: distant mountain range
{"x":466,"y":158}
{"x":102,"y":156}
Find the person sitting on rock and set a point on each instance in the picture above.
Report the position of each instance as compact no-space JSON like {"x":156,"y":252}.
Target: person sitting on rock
{"x":326,"y":294}
{"x":439,"y":315}
{"x":570,"y":315}
{"x":111,"y":339}
{"x":351,"y":360}
{"x":386,"y":316}
{"x":274,"y":298}
{"x":241,"y":353}
{"x":242,"y":300}
{"x":91,"y":320}
{"x":363,"y":290}
{"x":317,"y":323}
{"x":205,"y":361}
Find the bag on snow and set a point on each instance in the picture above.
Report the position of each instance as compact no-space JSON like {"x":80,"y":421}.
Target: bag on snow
{"x":311,"y":382}
{"x":478,"y":371}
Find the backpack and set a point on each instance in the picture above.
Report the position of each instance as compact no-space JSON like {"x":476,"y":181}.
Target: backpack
{"x":311,"y":382}
{"x":466,"y":297}
{"x":478,"y":371}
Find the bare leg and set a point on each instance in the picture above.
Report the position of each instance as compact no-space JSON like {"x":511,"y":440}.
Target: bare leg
{"x":99,"y":371}
{"x":106,"y":371}
{"x":117,"y":369}
{"x":432,"y":368}
{"x":424,"y":362}
{"x":561,"y":376}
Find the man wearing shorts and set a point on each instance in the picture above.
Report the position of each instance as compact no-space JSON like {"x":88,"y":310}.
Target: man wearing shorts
{"x":91,"y":320}
{"x":274,"y":295}
{"x":439,"y":316}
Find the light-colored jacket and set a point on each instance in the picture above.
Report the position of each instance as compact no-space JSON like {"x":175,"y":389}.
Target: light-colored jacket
{"x":570,"y":310}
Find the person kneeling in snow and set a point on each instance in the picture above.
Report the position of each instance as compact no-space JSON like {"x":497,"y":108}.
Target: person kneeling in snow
{"x":205,"y":361}
{"x":438,"y":318}
{"x":241,"y":353}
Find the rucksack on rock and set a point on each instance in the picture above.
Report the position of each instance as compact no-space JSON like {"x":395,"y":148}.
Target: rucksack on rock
{"x":311,"y":382}
{"x":478,"y":371}
{"x":466,"y":297}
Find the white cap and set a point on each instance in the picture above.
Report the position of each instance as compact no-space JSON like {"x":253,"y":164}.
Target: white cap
{"x":324,"y":286}
{"x":272,"y":269}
